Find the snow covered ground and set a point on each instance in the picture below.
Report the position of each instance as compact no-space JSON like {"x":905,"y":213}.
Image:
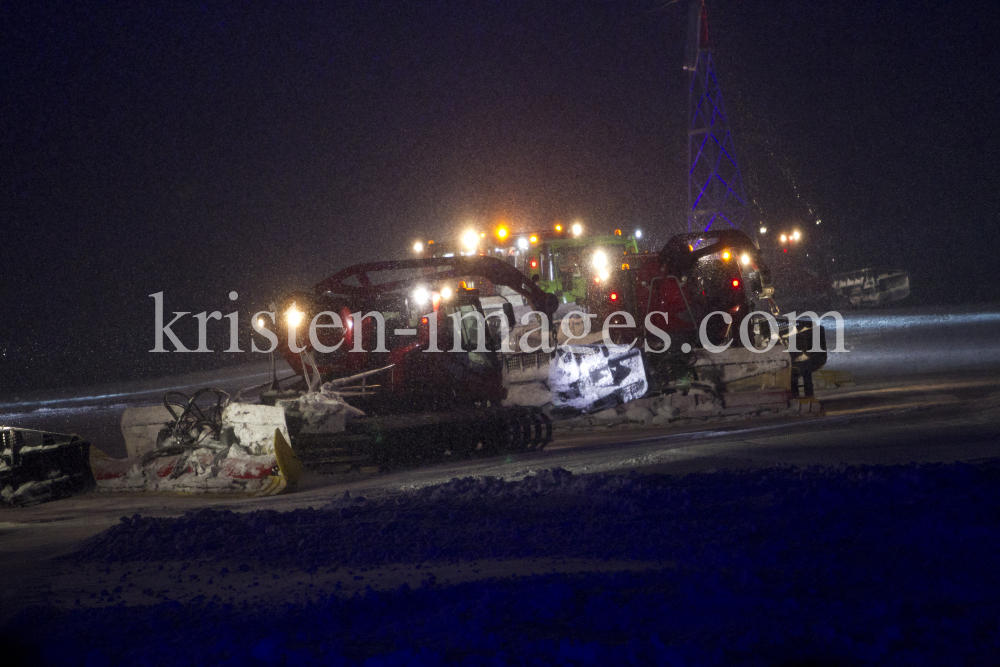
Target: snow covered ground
{"x":848,"y":565}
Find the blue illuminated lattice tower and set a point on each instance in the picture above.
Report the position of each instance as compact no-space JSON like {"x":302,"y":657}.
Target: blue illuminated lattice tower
{"x":716,"y":199}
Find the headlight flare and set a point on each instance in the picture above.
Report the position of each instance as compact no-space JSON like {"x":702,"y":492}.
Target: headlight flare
{"x":293,"y":316}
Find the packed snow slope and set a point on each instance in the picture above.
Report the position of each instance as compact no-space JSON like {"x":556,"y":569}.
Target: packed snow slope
{"x":847,"y":565}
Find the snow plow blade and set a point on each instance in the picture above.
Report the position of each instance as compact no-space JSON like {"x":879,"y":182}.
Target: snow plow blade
{"x":36,"y":466}
{"x":179,"y":447}
{"x":595,"y":377}
{"x":592,"y":378}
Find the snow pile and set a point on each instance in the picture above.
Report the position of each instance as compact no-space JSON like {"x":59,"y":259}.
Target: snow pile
{"x":851,"y":565}
{"x":323,"y":411}
{"x":545,"y":482}
{"x":694,"y":402}
{"x":33,"y":491}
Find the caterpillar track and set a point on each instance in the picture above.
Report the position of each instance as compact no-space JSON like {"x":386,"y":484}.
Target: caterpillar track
{"x":400,"y":440}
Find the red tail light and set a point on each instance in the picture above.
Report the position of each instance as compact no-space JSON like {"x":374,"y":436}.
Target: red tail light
{"x":614,"y":296}
{"x":423,"y":321}
{"x":534,"y":263}
{"x":736,"y":282}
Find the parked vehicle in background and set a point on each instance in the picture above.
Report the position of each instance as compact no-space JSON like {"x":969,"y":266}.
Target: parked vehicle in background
{"x":871,"y":287}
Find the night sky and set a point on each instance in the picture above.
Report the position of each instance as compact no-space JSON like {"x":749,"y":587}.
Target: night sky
{"x":200,"y":148}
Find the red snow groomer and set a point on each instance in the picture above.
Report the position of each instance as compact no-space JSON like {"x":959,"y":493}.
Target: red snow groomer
{"x":429,"y":382}
{"x":685,"y":289}
{"x":359,"y":396}
{"x":692,"y":276}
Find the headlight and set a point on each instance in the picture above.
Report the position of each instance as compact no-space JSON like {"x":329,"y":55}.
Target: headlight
{"x":421,"y":296}
{"x":445,"y":292}
{"x":600,"y":260}
{"x":470,"y":239}
{"x":745,"y":259}
{"x":577,"y":229}
{"x":603,"y":273}
{"x":293,"y":316}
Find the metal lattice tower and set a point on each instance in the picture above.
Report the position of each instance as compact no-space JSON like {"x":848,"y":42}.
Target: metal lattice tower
{"x":716,"y":198}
